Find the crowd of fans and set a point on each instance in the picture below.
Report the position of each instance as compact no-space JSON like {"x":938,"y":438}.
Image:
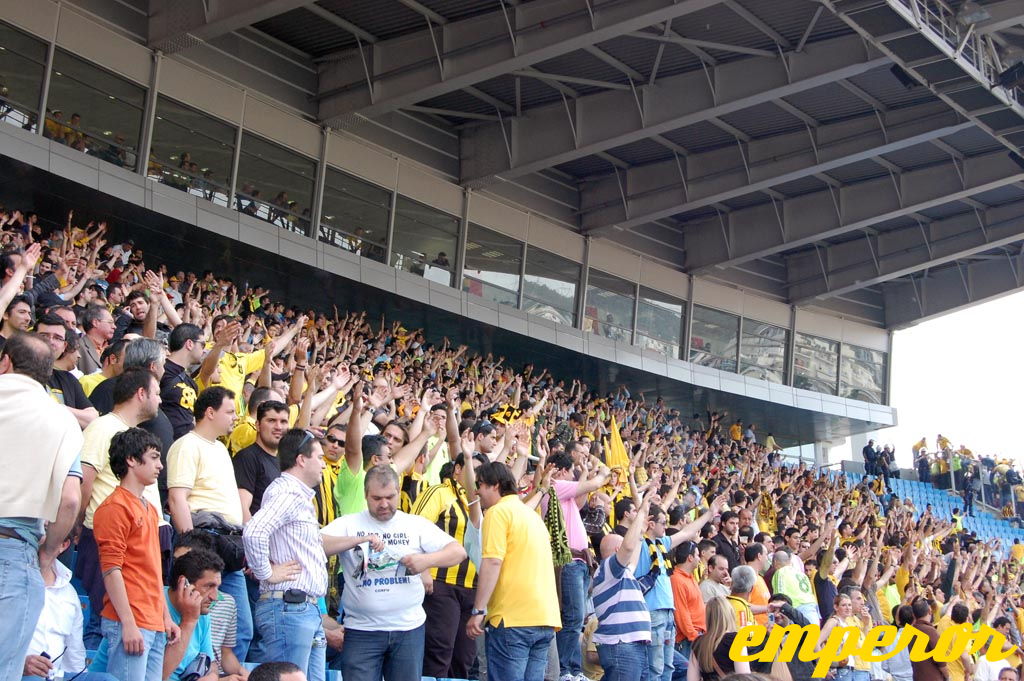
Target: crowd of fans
{"x":244,"y":482}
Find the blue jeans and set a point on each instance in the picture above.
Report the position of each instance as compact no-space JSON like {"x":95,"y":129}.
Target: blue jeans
{"x":624,"y":661}
{"x":575,"y":581}
{"x":391,"y":655}
{"x":149,"y":666}
{"x":517,"y":653}
{"x":21,"y":600}
{"x":851,"y":674}
{"x":233,"y":584}
{"x":293,"y":632}
{"x":661,"y":653}
{"x":84,"y":676}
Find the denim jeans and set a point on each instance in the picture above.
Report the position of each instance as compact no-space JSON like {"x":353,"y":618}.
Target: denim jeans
{"x":84,"y":676}
{"x":293,"y":632}
{"x":575,"y":581}
{"x":233,"y":584}
{"x":149,"y":666}
{"x":624,"y":661}
{"x":391,"y":655}
{"x":661,"y":653}
{"x":851,"y":674}
{"x":21,"y":600}
{"x":517,"y":653}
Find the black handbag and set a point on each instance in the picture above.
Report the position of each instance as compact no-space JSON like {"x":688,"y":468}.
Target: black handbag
{"x":197,"y":668}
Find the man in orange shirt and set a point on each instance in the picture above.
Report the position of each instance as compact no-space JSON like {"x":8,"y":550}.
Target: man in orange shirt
{"x":756,"y":556}
{"x":135,"y":622}
{"x":689,"y":604}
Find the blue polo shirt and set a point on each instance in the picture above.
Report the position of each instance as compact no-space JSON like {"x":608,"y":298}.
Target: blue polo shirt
{"x":660,"y":595}
{"x":201,"y":641}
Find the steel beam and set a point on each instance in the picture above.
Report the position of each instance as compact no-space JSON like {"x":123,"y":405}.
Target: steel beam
{"x":656,"y":191}
{"x":778,"y":226}
{"x":1003,"y":15}
{"x":175,"y":25}
{"x":541,"y":137}
{"x":404,"y":70}
{"x":873,"y":259}
{"x":911,"y":301}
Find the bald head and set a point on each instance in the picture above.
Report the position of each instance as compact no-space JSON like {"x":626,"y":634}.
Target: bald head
{"x":610,"y":544}
{"x":780,"y":558}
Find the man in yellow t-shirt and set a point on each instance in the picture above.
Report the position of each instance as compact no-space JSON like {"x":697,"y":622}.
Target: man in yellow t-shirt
{"x":233,"y":366}
{"x":516,"y":583}
{"x":962,"y":666}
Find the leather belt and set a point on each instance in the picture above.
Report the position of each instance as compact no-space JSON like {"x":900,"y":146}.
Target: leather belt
{"x":279,"y":595}
{"x":8,"y":533}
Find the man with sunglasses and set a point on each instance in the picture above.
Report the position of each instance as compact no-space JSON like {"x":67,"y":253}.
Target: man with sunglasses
{"x":285,"y":553}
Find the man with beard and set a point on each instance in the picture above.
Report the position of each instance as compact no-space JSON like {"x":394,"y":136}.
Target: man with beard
{"x":256,"y":466}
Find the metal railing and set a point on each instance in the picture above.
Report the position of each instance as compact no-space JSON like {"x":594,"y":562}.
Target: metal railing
{"x":941,"y":20}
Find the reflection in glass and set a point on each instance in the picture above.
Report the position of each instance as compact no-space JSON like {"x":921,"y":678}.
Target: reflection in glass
{"x":659,"y":322}
{"x":355,"y":215}
{"x":22,"y":64}
{"x":492,"y":266}
{"x":274,"y":184}
{"x":763,"y":351}
{"x":425,"y":241}
{"x":815,"y":363}
{"x":549,"y":289}
{"x":191,"y":151}
{"x":713,"y":338}
{"x":609,"y":309}
{"x":94,"y":111}
{"x":862,"y":374}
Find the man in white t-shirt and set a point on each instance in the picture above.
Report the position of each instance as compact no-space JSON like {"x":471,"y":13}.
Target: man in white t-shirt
{"x":383,"y":553}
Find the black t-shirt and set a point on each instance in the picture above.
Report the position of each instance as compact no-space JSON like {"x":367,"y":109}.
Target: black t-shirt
{"x":178,"y":398}
{"x":66,"y":389}
{"x":161,"y":427}
{"x":102,"y":396}
{"x":255,"y":469}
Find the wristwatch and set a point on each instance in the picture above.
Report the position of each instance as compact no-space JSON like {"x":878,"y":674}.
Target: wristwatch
{"x":476,"y":611}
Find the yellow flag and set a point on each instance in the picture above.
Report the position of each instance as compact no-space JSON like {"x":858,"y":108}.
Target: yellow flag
{"x":616,"y":452}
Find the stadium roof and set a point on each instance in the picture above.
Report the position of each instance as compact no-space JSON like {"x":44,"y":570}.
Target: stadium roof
{"x":851,"y":156}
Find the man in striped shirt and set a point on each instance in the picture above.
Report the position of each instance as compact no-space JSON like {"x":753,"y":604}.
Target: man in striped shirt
{"x":285,"y":552}
{"x":623,"y":622}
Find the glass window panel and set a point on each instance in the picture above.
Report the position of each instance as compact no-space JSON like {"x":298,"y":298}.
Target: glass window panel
{"x":609,"y":310}
{"x":275,"y":184}
{"x":659,"y":322}
{"x":425,"y":241}
{"x":549,"y":289}
{"x":815,"y":363}
{"x":713,"y":338}
{"x":493,"y":263}
{"x":191,"y":151}
{"x":94,"y":111}
{"x":355,"y":215}
{"x":862,"y":374}
{"x":22,"y":64}
{"x":763,"y":351}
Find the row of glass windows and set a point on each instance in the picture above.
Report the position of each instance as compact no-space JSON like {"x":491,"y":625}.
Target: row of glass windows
{"x":101,"y":114}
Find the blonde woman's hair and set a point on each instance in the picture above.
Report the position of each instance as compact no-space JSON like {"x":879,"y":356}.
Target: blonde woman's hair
{"x":721,"y":620}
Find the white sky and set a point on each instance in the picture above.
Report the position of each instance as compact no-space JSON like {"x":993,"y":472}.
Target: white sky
{"x":960,"y":375}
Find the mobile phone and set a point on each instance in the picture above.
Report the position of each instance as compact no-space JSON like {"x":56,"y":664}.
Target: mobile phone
{"x":771,"y":618}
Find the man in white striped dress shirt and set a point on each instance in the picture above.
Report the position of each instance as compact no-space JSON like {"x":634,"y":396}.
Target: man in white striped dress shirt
{"x":285,"y":552}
